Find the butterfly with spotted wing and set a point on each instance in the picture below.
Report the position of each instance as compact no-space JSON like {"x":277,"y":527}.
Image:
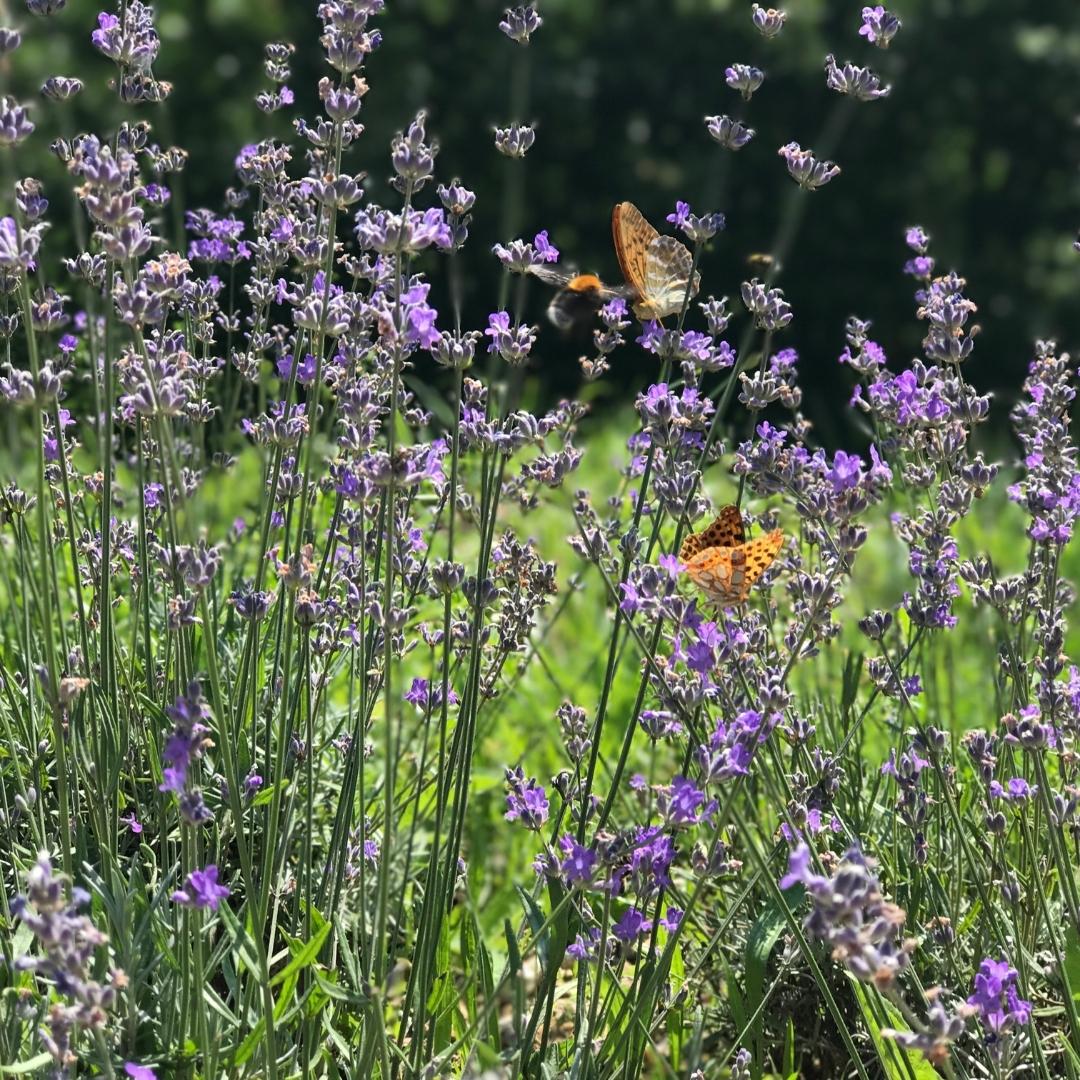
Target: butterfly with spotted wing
{"x":721,"y":562}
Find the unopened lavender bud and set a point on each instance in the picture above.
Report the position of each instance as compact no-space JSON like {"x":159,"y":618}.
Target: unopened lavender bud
{"x":520,"y":23}
{"x":730,"y":134}
{"x":768,"y":21}
{"x":61,"y":88}
{"x":1011,"y":892}
{"x":805,"y":169}
{"x":515,"y":141}
{"x":744,"y":78}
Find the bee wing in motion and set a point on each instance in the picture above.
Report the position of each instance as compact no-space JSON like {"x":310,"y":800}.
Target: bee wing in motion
{"x":552,"y":275}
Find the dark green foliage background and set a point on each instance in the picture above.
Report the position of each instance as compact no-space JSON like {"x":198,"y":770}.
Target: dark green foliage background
{"x":978,"y":142}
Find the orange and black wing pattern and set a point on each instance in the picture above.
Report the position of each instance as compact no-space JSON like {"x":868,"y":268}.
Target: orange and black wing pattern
{"x":723,"y":563}
{"x":725,"y":530}
{"x":632,"y":235}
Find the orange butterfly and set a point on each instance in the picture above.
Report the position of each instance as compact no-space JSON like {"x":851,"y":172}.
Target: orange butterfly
{"x":579,"y":298}
{"x":723,"y":563}
{"x":657,"y":268}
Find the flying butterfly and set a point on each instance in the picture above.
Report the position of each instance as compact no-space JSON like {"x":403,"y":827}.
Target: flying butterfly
{"x":657,"y":268}
{"x":723,"y":563}
{"x":579,"y":296}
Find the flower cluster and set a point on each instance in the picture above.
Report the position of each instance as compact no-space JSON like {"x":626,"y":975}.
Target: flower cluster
{"x":69,"y":945}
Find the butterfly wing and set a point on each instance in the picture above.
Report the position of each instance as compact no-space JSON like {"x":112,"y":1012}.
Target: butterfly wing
{"x":726,"y":574}
{"x":668,"y":266}
{"x":718,"y":573}
{"x":726,"y":530}
{"x":760,"y":553}
{"x":632,"y":235}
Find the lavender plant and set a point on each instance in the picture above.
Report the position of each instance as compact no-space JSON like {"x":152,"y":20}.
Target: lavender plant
{"x":299,"y":587}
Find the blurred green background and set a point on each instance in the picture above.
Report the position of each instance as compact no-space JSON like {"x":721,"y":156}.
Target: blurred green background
{"x":978,"y":142}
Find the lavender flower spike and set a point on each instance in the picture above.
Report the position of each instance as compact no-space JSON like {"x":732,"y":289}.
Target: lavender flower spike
{"x":879,"y":26}
{"x":520,"y":23}
{"x":729,"y":133}
{"x":744,"y":78}
{"x":805,"y":169}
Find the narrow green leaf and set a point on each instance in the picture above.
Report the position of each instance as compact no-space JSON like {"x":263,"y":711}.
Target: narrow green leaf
{"x":242,"y":944}
{"x":267,"y":794}
{"x":305,"y":956}
{"x":23,"y":1067}
{"x":760,"y":942}
{"x":889,"y":1053}
{"x":535,"y":918}
{"x":1072,"y":959}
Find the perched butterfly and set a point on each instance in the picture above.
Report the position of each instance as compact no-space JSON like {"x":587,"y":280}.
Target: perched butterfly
{"x":579,"y":298}
{"x":723,"y":563}
{"x":657,"y":268}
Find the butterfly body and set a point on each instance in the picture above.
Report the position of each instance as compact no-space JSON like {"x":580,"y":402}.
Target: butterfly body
{"x":725,"y":565}
{"x":658,"y":269}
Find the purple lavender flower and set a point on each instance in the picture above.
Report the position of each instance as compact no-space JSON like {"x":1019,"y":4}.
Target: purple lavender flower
{"x":767,"y":306}
{"x":850,"y":915}
{"x":879,"y":26}
{"x":520,"y":23}
{"x":519,"y":256}
{"x":18,"y":247}
{"x":730,"y":134}
{"x":201,"y":890}
{"x":44,"y":8}
{"x":744,"y":78}
{"x":670,"y":922}
{"x":139,"y":1072}
{"x":455,"y":350}
{"x":1015,"y":790}
{"x":696,"y":228}
{"x":413,"y":159}
{"x":182,"y":748}
{"x":805,"y":169}
{"x":1000,"y":1008}
{"x":409,"y":231}
{"x":767,"y":21}
{"x":684,"y":804}
{"x":61,"y":88}
{"x":67,"y":944}
{"x":578,"y":864}
{"x":10,"y":40}
{"x":859,"y":82}
{"x":457,"y":199}
{"x":586,"y":948}
{"x":133,"y":46}
{"x":941,"y":1029}
{"x":917,"y":239}
{"x":631,"y":926}
{"x":15,"y":125}
{"x":1049,"y":490}
{"x":515,"y":141}
{"x":512,"y":343}
{"x":526,"y":800}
